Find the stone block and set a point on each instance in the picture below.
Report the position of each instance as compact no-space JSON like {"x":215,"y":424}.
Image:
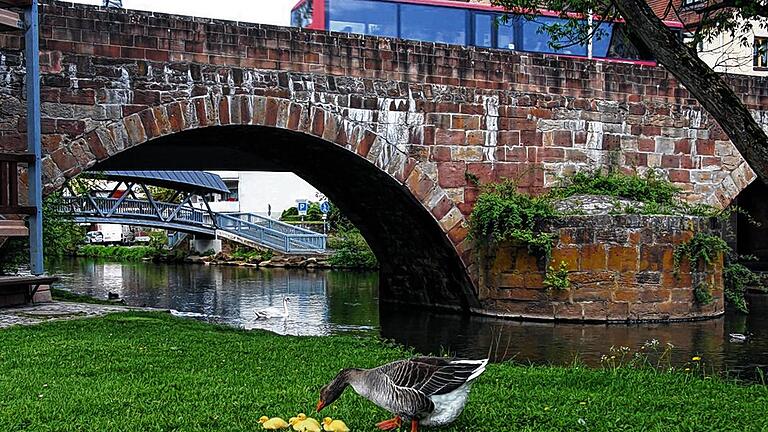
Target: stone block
{"x":622,"y":258}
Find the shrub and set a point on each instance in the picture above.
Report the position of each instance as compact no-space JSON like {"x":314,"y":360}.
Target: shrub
{"x":350,"y":250}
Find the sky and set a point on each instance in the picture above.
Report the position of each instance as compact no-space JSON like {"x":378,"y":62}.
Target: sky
{"x":259,"y":11}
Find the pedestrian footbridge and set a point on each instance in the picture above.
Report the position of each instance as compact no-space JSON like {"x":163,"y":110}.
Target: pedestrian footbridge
{"x":182,"y":215}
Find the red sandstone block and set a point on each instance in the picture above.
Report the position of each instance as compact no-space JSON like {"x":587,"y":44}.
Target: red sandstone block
{"x":611,"y":142}
{"x":450,"y":137}
{"x":646,"y":144}
{"x":458,"y":233}
{"x":679,"y":176}
{"x":550,"y":154}
{"x":272,"y":108}
{"x":224,"y":111}
{"x":133,"y":53}
{"x":593,"y":256}
{"x":106,"y":51}
{"x":530,"y":138}
{"x":78,"y":96}
{"x":654,"y":295}
{"x":176,"y":117}
{"x":622,"y":258}
{"x":483,"y":171}
{"x":364,"y":147}
{"x":650,"y":131}
{"x":670,"y":161}
{"x":440,"y":154}
{"x":705,"y":147}
{"x":683,"y":146}
{"x":70,"y":127}
{"x":420,"y":185}
{"x":508,"y":138}
{"x":451,"y":174}
{"x":442,"y":207}
{"x":429,"y":135}
{"x":512,"y":280}
{"x":563,"y":139}
{"x":710,"y":161}
{"x":294,"y":116}
{"x":157,"y":55}
{"x":628,"y":296}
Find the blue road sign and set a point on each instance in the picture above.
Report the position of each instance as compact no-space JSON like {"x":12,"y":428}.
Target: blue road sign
{"x":302,"y":207}
{"x":325,"y":207}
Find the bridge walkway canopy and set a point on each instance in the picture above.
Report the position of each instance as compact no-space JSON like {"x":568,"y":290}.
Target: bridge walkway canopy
{"x":198,"y":182}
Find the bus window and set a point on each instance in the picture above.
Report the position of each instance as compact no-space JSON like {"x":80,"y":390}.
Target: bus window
{"x":537,"y":40}
{"x":506,"y":32}
{"x":601,"y":40}
{"x":302,"y":15}
{"x":364,"y":17}
{"x":484,"y":30}
{"x":433,"y":24}
{"x":623,"y":47}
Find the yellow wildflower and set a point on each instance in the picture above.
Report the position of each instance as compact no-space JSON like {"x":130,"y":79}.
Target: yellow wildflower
{"x":696,"y":358}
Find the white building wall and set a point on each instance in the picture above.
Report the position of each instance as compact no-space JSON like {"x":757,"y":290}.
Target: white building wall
{"x":726,"y":53}
{"x":258,"y":190}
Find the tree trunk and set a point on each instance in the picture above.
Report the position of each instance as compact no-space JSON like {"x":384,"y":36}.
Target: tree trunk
{"x":706,"y":85}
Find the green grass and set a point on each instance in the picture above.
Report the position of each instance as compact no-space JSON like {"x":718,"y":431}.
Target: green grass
{"x":153,"y":372}
{"x":117,"y":253}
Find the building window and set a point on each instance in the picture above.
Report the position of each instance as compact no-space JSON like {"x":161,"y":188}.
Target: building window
{"x":760,"y":57}
{"x":692,"y":3}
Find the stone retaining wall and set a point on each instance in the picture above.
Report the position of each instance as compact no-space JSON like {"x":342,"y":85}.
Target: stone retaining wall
{"x":621,"y":269}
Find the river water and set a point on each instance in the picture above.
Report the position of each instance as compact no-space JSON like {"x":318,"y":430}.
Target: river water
{"x":338,"y":302}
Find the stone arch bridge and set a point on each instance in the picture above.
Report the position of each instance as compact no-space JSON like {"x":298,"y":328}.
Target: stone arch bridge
{"x":390,"y":130}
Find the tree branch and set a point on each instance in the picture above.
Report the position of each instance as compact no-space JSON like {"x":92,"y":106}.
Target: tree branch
{"x":707,"y":86}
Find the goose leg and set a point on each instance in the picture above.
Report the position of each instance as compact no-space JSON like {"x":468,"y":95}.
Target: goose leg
{"x":390,"y":424}
{"x":414,"y":425}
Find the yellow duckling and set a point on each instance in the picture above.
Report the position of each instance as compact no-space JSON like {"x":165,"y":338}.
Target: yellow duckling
{"x":295,"y":421}
{"x":273,"y":423}
{"x":330,"y":425}
{"x":302,"y":423}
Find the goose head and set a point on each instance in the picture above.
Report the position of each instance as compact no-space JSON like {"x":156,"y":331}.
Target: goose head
{"x":334,"y":389}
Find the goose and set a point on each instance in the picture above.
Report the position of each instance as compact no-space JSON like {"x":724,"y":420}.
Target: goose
{"x":430,"y":391}
{"x":274,"y":312}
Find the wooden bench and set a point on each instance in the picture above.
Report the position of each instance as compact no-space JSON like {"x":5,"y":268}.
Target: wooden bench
{"x":13,"y":228}
{"x":23,"y":287}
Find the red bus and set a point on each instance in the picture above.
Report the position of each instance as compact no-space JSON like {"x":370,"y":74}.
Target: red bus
{"x":467,"y":24}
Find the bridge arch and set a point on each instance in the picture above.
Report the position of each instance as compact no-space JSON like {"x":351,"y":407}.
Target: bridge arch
{"x":415,"y":229}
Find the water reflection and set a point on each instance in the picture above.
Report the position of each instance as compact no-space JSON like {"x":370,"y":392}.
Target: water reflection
{"x":331,"y":302}
{"x":322,"y":303}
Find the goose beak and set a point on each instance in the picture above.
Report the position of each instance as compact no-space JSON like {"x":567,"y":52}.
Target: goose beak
{"x":320,"y":405}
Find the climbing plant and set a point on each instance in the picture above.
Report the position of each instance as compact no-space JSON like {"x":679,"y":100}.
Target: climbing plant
{"x":703,"y":249}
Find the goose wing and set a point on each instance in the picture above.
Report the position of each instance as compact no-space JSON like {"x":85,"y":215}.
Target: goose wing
{"x":433,"y":375}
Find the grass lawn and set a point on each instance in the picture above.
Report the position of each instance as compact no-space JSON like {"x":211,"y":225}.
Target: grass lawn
{"x":154,"y":372}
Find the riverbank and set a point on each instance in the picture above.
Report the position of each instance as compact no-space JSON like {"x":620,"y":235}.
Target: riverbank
{"x":151,"y":371}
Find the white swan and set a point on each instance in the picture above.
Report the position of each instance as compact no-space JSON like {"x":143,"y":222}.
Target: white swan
{"x":274,"y":312}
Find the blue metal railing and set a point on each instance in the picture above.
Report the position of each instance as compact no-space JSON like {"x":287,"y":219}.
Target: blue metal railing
{"x":271,"y":233}
{"x":260,"y":230}
{"x":176,"y":238}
